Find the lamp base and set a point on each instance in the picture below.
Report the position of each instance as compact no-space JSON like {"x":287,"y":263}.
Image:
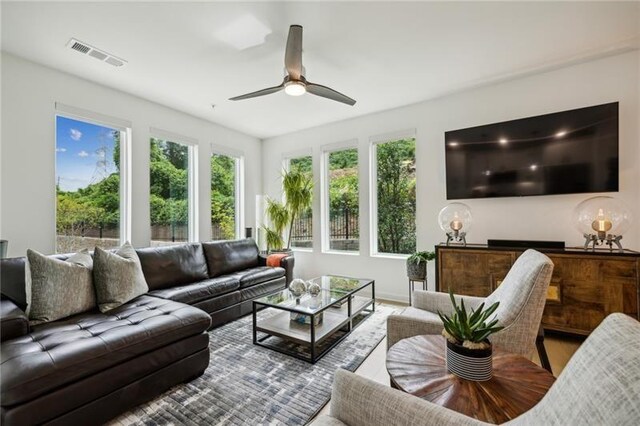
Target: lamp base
{"x":594,"y":240}
{"x":458,"y":237}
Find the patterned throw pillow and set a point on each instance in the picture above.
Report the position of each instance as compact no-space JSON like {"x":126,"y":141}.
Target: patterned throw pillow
{"x":118,"y":277}
{"x":58,"y":288}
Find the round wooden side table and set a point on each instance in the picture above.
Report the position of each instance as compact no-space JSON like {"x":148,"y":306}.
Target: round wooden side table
{"x":417,"y":366}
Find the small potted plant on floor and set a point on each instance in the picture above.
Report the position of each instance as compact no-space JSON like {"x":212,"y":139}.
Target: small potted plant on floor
{"x":417,"y":265}
{"x":469,"y":351}
{"x":297,"y":187}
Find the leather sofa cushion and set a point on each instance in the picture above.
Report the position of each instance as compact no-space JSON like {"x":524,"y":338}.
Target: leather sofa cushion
{"x":262,"y":289}
{"x":196,"y":292}
{"x":225,"y":257}
{"x":257,"y":275}
{"x":12,"y":277}
{"x":89,"y":391}
{"x":171,"y":266}
{"x":216,"y":304}
{"x":13,"y":321}
{"x":61,"y":352}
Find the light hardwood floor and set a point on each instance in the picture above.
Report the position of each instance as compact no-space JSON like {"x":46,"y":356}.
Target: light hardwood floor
{"x":559,"y":350}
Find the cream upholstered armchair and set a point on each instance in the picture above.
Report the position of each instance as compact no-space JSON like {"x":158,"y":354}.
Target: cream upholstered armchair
{"x":599,"y":386}
{"x":522,"y":296}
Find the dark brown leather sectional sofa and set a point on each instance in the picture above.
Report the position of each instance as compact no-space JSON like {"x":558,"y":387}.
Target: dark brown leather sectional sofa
{"x":90,"y":367}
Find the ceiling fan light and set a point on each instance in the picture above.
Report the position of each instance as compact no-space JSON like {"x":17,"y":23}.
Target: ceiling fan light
{"x":295,"y":88}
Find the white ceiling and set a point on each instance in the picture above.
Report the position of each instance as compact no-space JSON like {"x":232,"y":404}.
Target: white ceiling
{"x":383,"y":54}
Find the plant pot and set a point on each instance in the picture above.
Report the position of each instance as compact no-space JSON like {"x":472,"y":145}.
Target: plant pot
{"x":469,"y":364}
{"x":416,"y":271}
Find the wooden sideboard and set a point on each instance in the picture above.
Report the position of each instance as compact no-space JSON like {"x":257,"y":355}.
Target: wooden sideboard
{"x":586,"y":286}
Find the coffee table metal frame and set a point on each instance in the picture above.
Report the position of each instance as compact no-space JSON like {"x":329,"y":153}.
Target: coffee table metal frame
{"x":366,"y":307}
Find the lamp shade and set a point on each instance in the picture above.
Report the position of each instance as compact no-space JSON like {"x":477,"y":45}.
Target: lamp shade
{"x":455,"y":217}
{"x":602,"y":215}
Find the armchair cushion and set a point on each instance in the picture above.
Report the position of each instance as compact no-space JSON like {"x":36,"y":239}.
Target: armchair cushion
{"x":412,"y":322}
{"x":434,"y":301}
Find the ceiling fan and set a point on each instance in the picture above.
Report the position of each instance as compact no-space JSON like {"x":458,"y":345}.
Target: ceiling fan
{"x":295,"y":83}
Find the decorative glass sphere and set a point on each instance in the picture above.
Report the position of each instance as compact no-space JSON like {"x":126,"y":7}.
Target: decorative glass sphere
{"x":602,"y":216}
{"x":455,"y":217}
{"x":313,"y":288}
{"x":297,"y":287}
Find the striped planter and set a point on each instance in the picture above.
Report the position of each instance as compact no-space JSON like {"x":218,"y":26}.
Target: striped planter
{"x":469,"y":364}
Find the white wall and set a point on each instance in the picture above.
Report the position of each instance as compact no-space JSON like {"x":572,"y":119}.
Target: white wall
{"x":29,"y":94}
{"x":537,"y":218}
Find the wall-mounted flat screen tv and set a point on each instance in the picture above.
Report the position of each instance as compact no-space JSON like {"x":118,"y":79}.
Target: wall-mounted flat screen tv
{"x":561,"y":153}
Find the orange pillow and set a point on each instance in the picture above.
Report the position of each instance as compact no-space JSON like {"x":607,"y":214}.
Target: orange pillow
{"x":275,"y":259}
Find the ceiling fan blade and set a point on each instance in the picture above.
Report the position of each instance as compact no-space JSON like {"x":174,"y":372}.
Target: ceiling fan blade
{"x":293,"y":53}
{"x":329,"y":93}
{"x":255,"y":94}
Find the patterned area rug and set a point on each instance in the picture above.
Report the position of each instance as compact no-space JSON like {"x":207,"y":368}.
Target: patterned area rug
{"x":247,"y":384}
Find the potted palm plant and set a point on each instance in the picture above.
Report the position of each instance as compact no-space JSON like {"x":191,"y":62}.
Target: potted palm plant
{"x":297,"y":188}
{"x":469,"y":351}
{"x":417,"y":265}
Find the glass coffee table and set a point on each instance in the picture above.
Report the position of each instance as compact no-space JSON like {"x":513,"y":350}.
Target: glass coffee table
{"x":310,"y":326}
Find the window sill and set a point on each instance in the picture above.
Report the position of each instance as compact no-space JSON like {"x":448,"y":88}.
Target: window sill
{"x":341,"y":252}
{"x":302,"y":249}
{"x":390,"y":256}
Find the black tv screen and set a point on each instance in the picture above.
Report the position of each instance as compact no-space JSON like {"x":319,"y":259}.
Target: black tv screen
{"x":561,"y":153}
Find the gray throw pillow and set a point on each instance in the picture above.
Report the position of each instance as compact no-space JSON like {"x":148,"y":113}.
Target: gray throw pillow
{"x":58,"y":288}
{"x":118,"y":277}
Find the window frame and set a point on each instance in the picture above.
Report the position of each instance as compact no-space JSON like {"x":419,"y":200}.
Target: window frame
{"x":192,"y":177}
{"x":239,"y":182}
{"x":125,"y":129}
{"x":325,"y":227}
{"x":286,"y":166}
{"x":374,"y":141}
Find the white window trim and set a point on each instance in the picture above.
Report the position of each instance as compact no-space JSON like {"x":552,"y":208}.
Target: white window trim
{"x":124,"y":127}
{"x":239,"y":183}
{"x":192,"y":176}
{"x":374,"y":141}
{"x":286,"y":166}
{"x":324,"y":194}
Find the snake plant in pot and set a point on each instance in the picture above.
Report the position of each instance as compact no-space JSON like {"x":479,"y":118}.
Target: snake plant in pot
{"x":297,"y":187}
{"x":469,"y":351}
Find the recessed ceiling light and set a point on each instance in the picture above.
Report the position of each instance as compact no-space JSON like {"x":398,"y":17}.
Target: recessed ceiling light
{"x":503,"y":141}
{"x":453,"y":144}
{"x":561,"y":133}
{"x":533,"y":167}
{"x":243,"y":32}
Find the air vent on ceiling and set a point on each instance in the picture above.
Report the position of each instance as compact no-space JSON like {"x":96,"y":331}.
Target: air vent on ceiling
{"x":98,"y":54}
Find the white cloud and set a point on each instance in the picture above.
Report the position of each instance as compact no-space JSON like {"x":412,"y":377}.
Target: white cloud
{"x":83,"y":154}
{"x":75,"y":134}
{"x":61,"y":149}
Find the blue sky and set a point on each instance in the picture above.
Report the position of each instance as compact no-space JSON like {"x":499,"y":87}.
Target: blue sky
{"x":80,"y":149}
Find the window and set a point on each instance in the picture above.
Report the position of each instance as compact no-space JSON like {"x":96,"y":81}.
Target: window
{"x":88,"y":187}
{"x":302,"y":229}
{"x":170,"y":192}
{"x":225,"y":197}
{"x":342,"y":231}
{"x":394,"y":179}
